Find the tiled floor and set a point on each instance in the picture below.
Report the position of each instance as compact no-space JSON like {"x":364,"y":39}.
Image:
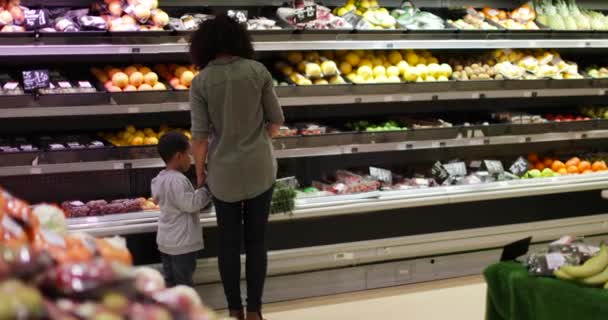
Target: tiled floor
{"x":454,"y":299}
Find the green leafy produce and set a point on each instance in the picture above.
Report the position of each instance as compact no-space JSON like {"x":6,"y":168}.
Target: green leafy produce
{"x":366,"y":126}
{"x":409,"y":17}
{"x":283,"y":198}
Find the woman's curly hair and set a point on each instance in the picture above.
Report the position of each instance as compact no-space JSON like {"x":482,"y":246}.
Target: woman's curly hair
{"x":222,"y":35}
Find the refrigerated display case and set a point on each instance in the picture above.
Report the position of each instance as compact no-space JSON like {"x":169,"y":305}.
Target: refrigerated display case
{"x":334,"y":242}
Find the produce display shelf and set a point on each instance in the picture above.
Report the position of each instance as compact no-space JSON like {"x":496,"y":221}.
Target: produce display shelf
{"x":331,"y":42}
{"x":111,"y":225}
{"x":355,"y":94}
{"x":401,"y":141}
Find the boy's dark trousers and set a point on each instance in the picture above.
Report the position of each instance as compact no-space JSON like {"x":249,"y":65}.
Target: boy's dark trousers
{"x":179,"y":269}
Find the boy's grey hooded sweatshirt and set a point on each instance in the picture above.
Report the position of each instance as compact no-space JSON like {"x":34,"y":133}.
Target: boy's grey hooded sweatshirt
{"x":179,"y":227}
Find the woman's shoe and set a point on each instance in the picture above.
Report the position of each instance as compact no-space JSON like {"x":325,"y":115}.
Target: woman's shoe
{"x":254,"y":316}
{"x":237,"y":314}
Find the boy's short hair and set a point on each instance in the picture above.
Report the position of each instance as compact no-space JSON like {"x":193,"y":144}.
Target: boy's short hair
{"x":171,"y":143}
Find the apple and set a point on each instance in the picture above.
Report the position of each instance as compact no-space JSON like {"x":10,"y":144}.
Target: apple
{"x":136,"y":79}
{"x":120,"y":79}
{"x":548,"y":173}
{"x":535,"y":173}
{"x":151,"y":78}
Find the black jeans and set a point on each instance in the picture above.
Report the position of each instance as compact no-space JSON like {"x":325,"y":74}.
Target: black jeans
{"x":179,"y":269}
{"x":231,"y":216}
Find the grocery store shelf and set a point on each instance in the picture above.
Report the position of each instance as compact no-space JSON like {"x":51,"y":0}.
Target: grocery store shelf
{"x":335,"y":144}
{"x":297,"y":96}
{"x":111,"y":109}
{"x":146,"y":222}
{"x":321,"y":41}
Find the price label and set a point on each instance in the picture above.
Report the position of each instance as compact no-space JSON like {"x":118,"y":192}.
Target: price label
{"x":64,"y":84}
{"x":306,"y":14}
{"x":381,"y":174}
{"x":84,"y":84}
{"x":35,"y":79}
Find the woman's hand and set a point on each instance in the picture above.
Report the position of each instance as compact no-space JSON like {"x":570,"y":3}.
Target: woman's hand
{"x":273,"y":129}
{"x":200,"y":180}
{"x":200,"y":147}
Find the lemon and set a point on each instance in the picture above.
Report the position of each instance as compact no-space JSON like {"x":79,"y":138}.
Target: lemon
{"x":412,"y":58}
{"x":130,"y":129}
{"x":286,"y":70}
{"x":358,"y":79}
{"x":328,"y":54}
{"x":360,"y":53}
{"x":295,"y":57}
{"x":446,"y":69}
{"x":329,"y":68}
{"x":381,"y":79}
{"x":394,"y":57}
{"x":442,"y":78}
{"x":353,"y":59}
{"x":365,"y":4}
{"x":336,"y":80}
{"x":378,"y":71}
{"x":346,"y":68}
{"x":312,"y":56}
{"x":430,"y":78}
{"x":342,"y":12}
{"x":364,"y":71}
{"x":304,"y":82}
{"x":402,"y":65}
{"x":394,"y":79}
{"x":359,"y":12}
{"x":425,"y":53}
{"x":321,"y":82}
{"x":341,"y":53}
{"x":350,"y":2}
{"x":377,"y":62}
{"x":313,"y":70}
{"x":393,"y":71}
{"x":434,"y":70}
{"x":367,"y":63}
{"x":374,"y":4}
{"x":302,"y":66}
{"x":430,"y":60}
{"x":351,"y":76}
{"x":139,"y":133}
{"x":410,"y":73}
{"x":150,"y":140}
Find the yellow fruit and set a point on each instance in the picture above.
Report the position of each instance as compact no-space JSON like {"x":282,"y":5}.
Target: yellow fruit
{"x":378,"y":62}
{"x":179,"y":71}
{"x":393,"y":71}
{"x":358,"y":79}
{"x":411,"y":58}
{"x":313,"y":70}
{"x":303,"y":82}
{"x":379,"y":71}
{"x":136,"y":78}
{"x":139,"y":133}
{"x":422,"y":60}
{"x":159,"y":86}
{"x":321,"y":82}
{"x":130,"y":69}
{"x":186,"y":78}
{"x":353,"y":59}
{"x":410,"y":74}
{"x":337,"y":80}
{"x":431,"y":60}
{"x":394,"y":79}
{"x":150,"y":140}
{"x":446,"y":69}
{"x":364,"y":72}
{"x":312,"y":56}
{"x":346,"y":68}
{"x":394,"y":57}
{"x":150,"y":78}
{"x":130,"y":129}
{"x":328,"y":54}
{"x":342,"y":11}
{"x":351,"y":76}
{"x":329,"y":68}
{"x":402,"y":65}
{"x":137,"y":141}
{"x":381,"y":78}
{"x":366,"y":63}
{"x":295,"y":57}
{"x":301,"y":67}
{"x":145,"y":87}
{"x":149,"y":132}
{"x":430,"y":78}
{"x":120,"y":80}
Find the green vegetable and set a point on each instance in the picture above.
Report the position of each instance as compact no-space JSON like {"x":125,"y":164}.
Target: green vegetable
{"x":283,"y":199}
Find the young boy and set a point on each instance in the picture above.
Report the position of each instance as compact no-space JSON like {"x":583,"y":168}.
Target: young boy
{"x":180,"y":235}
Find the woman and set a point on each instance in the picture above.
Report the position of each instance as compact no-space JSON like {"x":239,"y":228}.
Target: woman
{"x":235,"y":112}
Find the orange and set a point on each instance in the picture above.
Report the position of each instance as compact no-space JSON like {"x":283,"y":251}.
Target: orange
{"x":584,"y":166}
{"x":557,"y":165}
{"x":548,"y":162}
{"x":572,"y":169}
{"x":540,"y":166}
{"x":598,"y":166}
{"x":533,"y":157}
{"x":563,"y":171}
{"x":587,"y":171}
{"x":573,"y":162}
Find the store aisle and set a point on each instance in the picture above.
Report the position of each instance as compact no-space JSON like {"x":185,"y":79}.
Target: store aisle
{"x":462,"y":298}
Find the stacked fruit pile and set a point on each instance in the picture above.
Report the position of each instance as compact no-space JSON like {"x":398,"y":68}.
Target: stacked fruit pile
{"x":412,"y":18}
{"x":521,"y":18}
{"x":371,"y":15}
{"x":133,"y":15}
{"x":46,"y":273}
{"x":132,"y":136}
{"x":12,"y":18}
{"x":132,"y":78}
{"x":595,"y":112}
{"x":367,"y":126}
{"x":475,"y":69}
{"x":597,"y":73}
{"x":312,"y":67}
{"x":473,"y":20}
{"x":549,"y":167}
{"x":536,"y":64}
{"x":392,"y":66}
{"x":178,"y":76}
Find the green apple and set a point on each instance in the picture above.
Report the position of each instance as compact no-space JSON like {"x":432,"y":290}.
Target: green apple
{"x":534,"y":173}
{"x":547,"y":173}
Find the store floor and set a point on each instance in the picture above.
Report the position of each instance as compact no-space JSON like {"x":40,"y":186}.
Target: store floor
{"x":461,"y":298}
